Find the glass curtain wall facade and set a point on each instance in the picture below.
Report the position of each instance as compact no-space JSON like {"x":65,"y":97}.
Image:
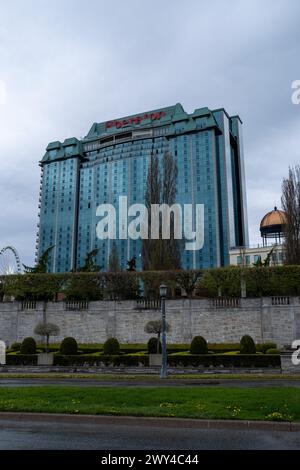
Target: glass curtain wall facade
{"x":113,"y":160}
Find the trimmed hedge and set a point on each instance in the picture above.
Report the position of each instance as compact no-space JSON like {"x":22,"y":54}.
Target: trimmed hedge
{"x":220,"y":360}
{"x":152,"y":346}
{"x":28,"y":346}
{"x":111,"y":347}
{"x":272,"y":351}
{"x":263,"y":347}
{"x":106,"y":360}
{"x":197,"y":361}
{"x":247,"y":345}
{"x":21,"y":359}
{"x":198,"y":345}
{"x":223,"y":347}
{"x":68,"y":346}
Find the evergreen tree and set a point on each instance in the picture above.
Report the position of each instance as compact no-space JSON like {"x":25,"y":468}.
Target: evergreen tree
{"x":89,"y":264}
{"x":41,"y":266}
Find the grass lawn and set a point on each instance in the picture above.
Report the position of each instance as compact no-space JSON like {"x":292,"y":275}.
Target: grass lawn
{"x":150,"y":377}
{"x":275,"y":404}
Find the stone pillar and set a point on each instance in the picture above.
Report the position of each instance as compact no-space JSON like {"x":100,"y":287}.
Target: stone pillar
{"x":2,"y":353}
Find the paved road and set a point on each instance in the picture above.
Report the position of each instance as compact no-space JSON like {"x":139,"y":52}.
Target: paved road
{"x":32,"y":435}
{"x":24,"y":382}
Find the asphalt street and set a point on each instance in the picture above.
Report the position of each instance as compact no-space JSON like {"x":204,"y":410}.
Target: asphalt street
{"x":31,"y":435}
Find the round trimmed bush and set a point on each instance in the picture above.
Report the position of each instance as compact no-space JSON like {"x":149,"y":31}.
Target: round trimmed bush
{"x":198,"y":345}
{"x":247,"y":345}
{"x":272,"y":351}
{"x":68,"y":346}
{"x":15,"y":346}
{"x":111,"y":347}
{"x":152,"y":346}
{"x":28,"y":346}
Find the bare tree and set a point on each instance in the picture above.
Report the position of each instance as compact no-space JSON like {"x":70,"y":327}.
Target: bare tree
{"x":152,"y":196}
{"x":155,"y":327}
{"x":188,"y":280}
{"x":171,"y":247}
{"x":161,"y":254}
{"x":290,"y":201}
{"x":46,"y":329}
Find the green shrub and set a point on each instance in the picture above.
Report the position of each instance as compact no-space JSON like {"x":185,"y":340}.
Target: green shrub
{"x":272,"y":351}
{"x":223,"y":347}
{"x":198,"y":361}
{"x":111,"y":347}
{"x":28,"y":346}
{"x":247,"y":345}
{"x":230,"y":353}
{"x":180,"y":353}
{"x":101,"y":360}
{"x":198,"y":345}
{"x":152,"y":346}
{"x":15,"y":346}
{"x":224,"y":360}
{"x":21,"y":359}
{"x":265,"y":346}
{"x":130,"y":361}
{"x":51,"y":348}
{"x":133,"y":348}
{"x":68,"y":346}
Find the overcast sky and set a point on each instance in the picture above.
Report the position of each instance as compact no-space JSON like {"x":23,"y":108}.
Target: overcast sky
{"x":65,"y":64}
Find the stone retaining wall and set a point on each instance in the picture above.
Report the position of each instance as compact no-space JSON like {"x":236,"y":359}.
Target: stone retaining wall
{"x":264,"y":319}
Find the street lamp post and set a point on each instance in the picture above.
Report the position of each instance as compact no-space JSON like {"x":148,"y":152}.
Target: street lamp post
{"x":163,"y":294}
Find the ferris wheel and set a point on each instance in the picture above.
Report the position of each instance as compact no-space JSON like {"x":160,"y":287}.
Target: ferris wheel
{"x":10,"y":262}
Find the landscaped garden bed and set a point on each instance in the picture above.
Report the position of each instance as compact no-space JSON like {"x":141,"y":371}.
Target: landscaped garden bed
{"x":197,"y":355}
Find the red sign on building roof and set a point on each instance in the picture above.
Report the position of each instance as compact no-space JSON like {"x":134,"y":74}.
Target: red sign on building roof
{"x":135,"y":120}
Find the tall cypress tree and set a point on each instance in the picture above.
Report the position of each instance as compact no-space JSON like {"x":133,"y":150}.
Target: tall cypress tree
{"x":161,"y":254}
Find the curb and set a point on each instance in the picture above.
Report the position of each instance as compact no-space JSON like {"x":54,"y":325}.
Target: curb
{"x":151,"y":421}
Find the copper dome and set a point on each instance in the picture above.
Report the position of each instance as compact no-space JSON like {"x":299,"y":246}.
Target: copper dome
{"x":273,"y":218}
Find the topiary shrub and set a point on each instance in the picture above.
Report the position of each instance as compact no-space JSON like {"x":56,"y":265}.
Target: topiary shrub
{"x":272,"y":351}
{"x":28,"y":346}
{"x":111,"y":347}
{"x":15,"y":346}
{"x":68,"y":347}
{"x":198,"y":345}
{"x":247,"y":345}
{"x":152,"y":346}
